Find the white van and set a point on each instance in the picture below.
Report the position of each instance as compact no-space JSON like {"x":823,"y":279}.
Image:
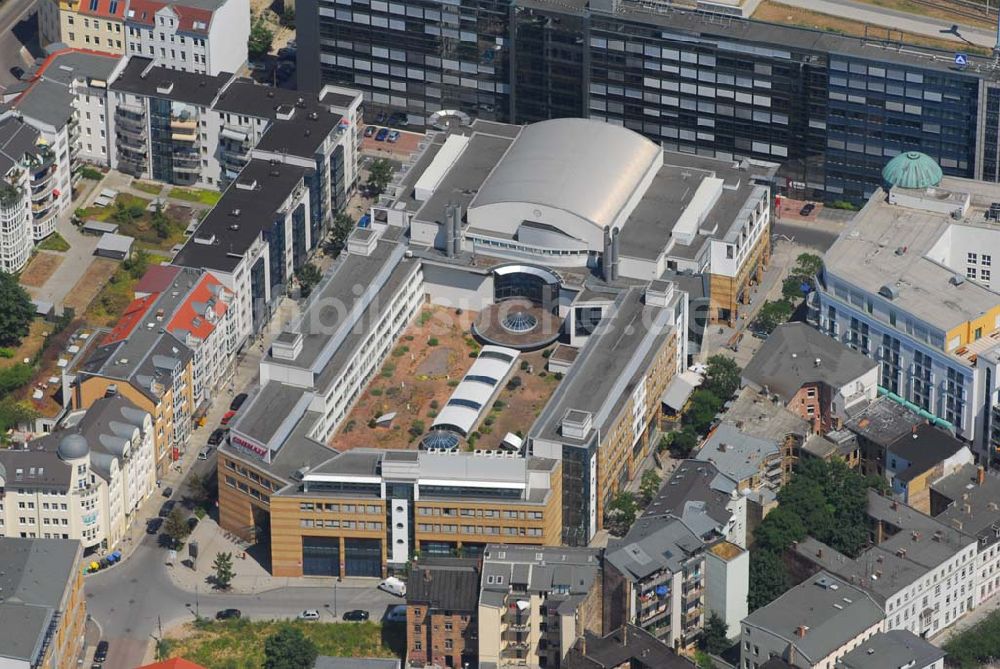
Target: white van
{"x":393,"y":586}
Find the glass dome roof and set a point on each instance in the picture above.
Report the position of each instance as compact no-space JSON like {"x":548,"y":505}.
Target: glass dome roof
{"x":440,"y":439}
{"x":519,"y":321}
{"x":912,"y":170}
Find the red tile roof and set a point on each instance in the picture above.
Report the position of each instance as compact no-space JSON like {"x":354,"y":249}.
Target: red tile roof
{"x":132,"y":316}
{"x":157,"y":279}
{"x":175,"y":663}
{"x":191,"y":314}
{"x":143,"y":12}
{"x":105,"y":9}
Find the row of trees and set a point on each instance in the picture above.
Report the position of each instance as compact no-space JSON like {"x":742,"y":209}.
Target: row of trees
{"x":825,"y":500}
{"x":722,"y":380}
{"x":801,"y":280}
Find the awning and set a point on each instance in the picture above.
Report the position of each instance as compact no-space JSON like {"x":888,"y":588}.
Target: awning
{"x":228,"y":133}
{"x":679,"y":390}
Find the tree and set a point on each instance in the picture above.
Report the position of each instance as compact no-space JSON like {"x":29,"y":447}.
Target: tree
{"x":161,"y":224}
{"x":261,"y":37}
{"x":14,"y":413}
{"x":772,"y":314}
{"x":791,"y":288}
{"x":649,"y":485}
{"x":702,"y":410}
{"x":379,"y":175}
{"x":197,"y":488}
{"x":684,"y":442}
{"x":343,"y":226}
{"x":808,"y":265}
{"x":768,"y":578}
{"x":621,"y":513}
{"x":16,"y":311}
{"x":224,"y":573}
{"x":137,"y":264}
{"x":127,"y":213}
{"x":308,"y":275}
{"x":714,"y":638}
{"x":702,"y":660}
{"x":176,"y":527}
{"x":722,"y":376}
{"x":288,"y":648}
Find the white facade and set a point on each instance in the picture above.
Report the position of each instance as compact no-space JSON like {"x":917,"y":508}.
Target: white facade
{"x":207,"y":42}
{"x":16,"y":228}
{"x":93,"y":119}
{"x":727,"y":585}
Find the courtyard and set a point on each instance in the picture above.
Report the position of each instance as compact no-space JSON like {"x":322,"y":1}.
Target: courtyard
{"x":418,"y":377}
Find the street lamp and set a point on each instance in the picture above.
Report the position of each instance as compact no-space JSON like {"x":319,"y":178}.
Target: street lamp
{"x":334,"y":600}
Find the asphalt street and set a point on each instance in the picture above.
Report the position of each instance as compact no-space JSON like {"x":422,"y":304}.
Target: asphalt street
{"x":132,"y":602}
{"x":18,"y":38}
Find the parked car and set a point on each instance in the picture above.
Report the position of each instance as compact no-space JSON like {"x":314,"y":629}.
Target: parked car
{"x":393,"y":586}
{"x":192,"y":523}
{"x":97,"y":665}
{"x":226,"y":418}
{"x":228,"y":614}
{"x":167,"y":507}
{"x":203,"y":454}
{"x":356,"y":616}
{"x":309,"y":614}
{"x":258,"y":67}
{"x":292,"y":44}
{"x":396,"y":614}
{"x":393,"y":136}
{"x":216,"y":437}
{"x":101,"y":652}
{"x":807,"y":209}
{"x":237,"y":402}
{"x":18,"y":72}
{"x":153,"y":525}
{"x":370,"y":130}
{"x":381,"y":134}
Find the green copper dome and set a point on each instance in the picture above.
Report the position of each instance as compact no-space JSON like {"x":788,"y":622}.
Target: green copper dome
{"x":912,"y":170}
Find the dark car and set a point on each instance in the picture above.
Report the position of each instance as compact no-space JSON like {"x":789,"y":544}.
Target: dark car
{"x":381,"y":134}
{"x":370,"y":130}
{"x":807,"y":209}
{"x":228,"y":614}
{"x":167,"y":507}
{"x":192,"y":523}
{"x":168,"y":491}
{"x":18,"y":72}
{"x":356,"y":616}
{"x":216,"y":437}
{"x":101,"y":654}
{"x":153,"y":525}
{"x":237,"y":402}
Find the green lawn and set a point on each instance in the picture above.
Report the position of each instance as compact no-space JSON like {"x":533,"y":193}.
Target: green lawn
{"x":239,"y":644}
{"x":109,"y":304}
{"x":142,"y":228}
{"x":209,"y":197}
{"x":148,"y":187}
{"x":54,"y":242}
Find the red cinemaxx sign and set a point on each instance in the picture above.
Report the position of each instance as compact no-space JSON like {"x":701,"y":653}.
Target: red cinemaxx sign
{"x":246,"y":444}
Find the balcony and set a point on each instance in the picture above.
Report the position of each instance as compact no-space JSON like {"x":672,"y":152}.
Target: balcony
{"x":183,"y":123}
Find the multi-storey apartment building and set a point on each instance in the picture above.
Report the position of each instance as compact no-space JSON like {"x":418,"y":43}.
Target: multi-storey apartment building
{"x":22,"y":163}
{"x":365,"y":510}
{"x":895,"y":648}
{"x":909,"y":284}
{"x":66,"y":101}
{"x":84,"y":481}
{"x":95,"y":25}
{"x":200,"y":36}
{"x":811,"y":626}
{"x":442,"y":600}
{"x":829,"y":108}
{"x":535,"y":603}
{"x":44,"y":595}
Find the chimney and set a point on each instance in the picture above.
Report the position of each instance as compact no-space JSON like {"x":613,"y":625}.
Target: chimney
{"x":427,"y":576}
{"x":624,"y":635}
{"x":606,"y":257}
{"x":614,"y":253}
{"x":818,"y":362}
{"x":913,"y":429}
{"x":819,"y":552}
{"x":980,"y":476}
{"x":801,"y":630}
{"x":722,"y":447}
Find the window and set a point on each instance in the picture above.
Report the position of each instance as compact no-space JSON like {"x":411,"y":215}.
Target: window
{"x":984,"y":274}
{"x":448,"y":644}
{"x":986,"y":259}
{"x":972,"y":258}
{"x":970,"y":272}
{"x":93,"y":5}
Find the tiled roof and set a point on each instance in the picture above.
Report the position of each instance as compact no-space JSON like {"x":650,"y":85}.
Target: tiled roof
{"x":126,"y":324}
{"x":156,"y":279}
{"x":105,"y":9}
{"x":191,"y":315}
{"x":190,"y":19}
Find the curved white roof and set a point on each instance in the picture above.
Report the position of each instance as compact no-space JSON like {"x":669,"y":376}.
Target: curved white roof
{"x":588,"y":168}
{"x":471,"y":396}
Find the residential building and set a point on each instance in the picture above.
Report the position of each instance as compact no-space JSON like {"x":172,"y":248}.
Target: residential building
{"x":66,"y":102}
{"x":84,"y":481}
{"x":750,"y":461}
{"x":701,"y":81}
{"x":921,"y":571}
{"x":916,"y":460}
{"x":97,"y":25}
{"x":23,"y":162}
{"x":894,"y":648}
{"x":627,"y":647}
{"x":253,"y":241}
{"x":812,"y":625}
{"x":536,"y":603}
{"x":43,"y":601}
{"x":442,"y":599}
{"x":878,"y":425}
{"x":151,"y":369}
{"x":909,"y":279}
{"x":967,"y":501}
{"x":201,"y":36}
{"x":365,"y":511}
{"x":821,"y":380}
{"x":567,"y":192}
{"x":683,"y":559}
